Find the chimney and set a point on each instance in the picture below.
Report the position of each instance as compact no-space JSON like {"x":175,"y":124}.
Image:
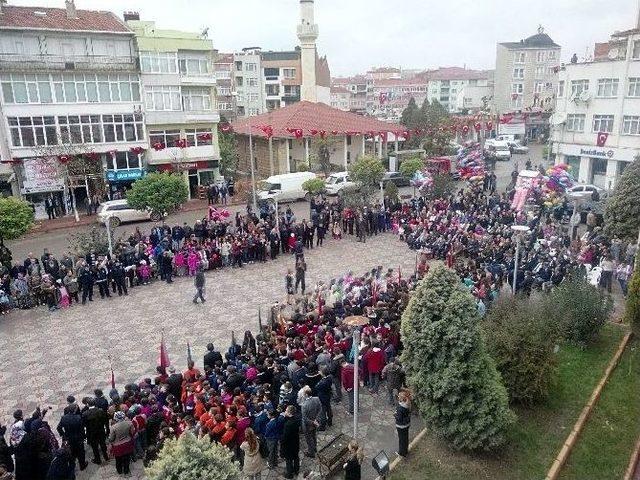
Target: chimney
{"x":131,"y":16}
{"x":71,"y":9}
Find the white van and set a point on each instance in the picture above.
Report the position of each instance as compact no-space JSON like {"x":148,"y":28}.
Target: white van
{"x":339,"y":182}
{"x":490,"y":142}
{"x":286,"y":187}
{"x":120,"y":212}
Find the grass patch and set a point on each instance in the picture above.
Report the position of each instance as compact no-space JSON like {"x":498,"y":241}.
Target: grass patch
{"x":539,"y":432}
{"x":605,"y":446}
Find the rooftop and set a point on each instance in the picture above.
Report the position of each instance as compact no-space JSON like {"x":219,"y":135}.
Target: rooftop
{"x":42,"y":18}
{"x":456,"y":73}
{"x":539,"y":40}
{"x":309,"y":116}
{"x":338,"y":89}
{"x":276,"y":56}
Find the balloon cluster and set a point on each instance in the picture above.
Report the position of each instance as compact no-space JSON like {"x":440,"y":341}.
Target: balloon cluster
{"x":471,"y":162}
{"x":218,"y":214}
{"x":422,"y":179}
{"x":555,"y":183}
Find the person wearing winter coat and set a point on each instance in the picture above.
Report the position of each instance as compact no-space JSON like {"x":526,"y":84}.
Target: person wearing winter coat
{"x":374,"y":359}
{"x":403,"y":421}
{"x":253,"y":462}
{"x":121,"y":441}
{"x":6,"y":460}
{"x":199,"y":283}
{"x":311,"y":420}
{"x":323,"y":390}
{"x":291,"y":442}
{"x":63,"y":466}
{"x":352,"y":468}
{"x":71,"y":430}
{"x":394,"y":375}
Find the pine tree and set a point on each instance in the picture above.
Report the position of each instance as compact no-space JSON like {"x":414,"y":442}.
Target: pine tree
{"x":622,"y":213}
{"x":410,"y":115}
{"x":632,"y":309}
{"x":456,"y":384}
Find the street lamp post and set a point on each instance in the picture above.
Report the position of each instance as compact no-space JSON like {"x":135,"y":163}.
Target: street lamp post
{"x":107,"y":223}
{"x":518,"y":230}
{"x":253,"y":175}
{"x":356,"y":380}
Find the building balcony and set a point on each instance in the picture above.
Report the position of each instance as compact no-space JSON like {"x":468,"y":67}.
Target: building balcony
{"x":182,"y":155}
{"x":26,"y":62}
{"x":200,"y":80}
{"x":308,"y":33}
{"x":180,"y":117}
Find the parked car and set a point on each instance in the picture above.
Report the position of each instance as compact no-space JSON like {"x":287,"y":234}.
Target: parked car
{"x":120,"y":212}
{"x":580,"y":191}
{"x":286,"y":187}
{"x":518,"y":148}
{"x":339,"y":183}
{"x":492,"y":142}
{"x":397,"y":178}
{"x":500,"y":150}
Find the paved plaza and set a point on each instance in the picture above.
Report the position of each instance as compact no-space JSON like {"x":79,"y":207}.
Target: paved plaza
{"x":47,"y":356}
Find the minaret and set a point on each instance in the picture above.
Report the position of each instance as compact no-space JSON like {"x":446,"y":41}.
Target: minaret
{"x":308,"y":34}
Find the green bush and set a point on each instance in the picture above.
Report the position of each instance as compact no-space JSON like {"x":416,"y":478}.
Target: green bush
{"x":313,"y":186}
{"x":391,"y":190}
{"x":455,"y":381}
{"x":580,"y":308}
{"x":632,"y":309}
{"x":190,"y":458}
{"x":622,"y":212}
{"x":162,"y":193}
{"x":521,"y":338}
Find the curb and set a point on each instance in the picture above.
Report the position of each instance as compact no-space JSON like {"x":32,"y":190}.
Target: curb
{"x":633,"y":462}
{"x":569,"y":443}
{"x":399,"y":459}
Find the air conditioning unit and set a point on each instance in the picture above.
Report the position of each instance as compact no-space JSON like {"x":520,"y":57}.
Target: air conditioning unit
{"x":585,"y":96}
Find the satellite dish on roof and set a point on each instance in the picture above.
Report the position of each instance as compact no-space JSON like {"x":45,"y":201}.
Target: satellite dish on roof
{"x":613,"y":54}
{"x":585,"y":96}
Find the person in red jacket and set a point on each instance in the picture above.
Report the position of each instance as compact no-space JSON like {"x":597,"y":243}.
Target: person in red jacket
{"x":346,"y":377}
{"x":375,"y":363}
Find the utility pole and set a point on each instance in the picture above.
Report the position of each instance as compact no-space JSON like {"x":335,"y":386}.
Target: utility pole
{"x":253,"y":175}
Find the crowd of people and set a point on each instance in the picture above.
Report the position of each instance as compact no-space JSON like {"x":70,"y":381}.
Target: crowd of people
{"x":258,"y":398}
{"x":472,"y":231}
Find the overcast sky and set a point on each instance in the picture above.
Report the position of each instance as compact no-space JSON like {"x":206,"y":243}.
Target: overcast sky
{"x":358,"y":34}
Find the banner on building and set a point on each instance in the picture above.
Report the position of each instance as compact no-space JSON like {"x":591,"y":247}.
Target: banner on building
{"x":511,"y":129}
{"x":41,"y":175}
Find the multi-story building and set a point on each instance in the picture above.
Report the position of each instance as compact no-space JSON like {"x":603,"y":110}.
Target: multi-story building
{"x":340,"y":98}
{"x":388,"y":97}
{"x":357,"y":87}
{"x":249,"y":82}
{"x":596,"y":127}
{"x":179,"y":101}
{"x":282,"y":77}
{"x":223,"y":69}
{"x":71,"y":103}
{"x":526,"y":78}
{"x":446,"y":83}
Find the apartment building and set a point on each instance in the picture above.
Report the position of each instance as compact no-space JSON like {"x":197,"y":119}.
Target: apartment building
{"x":447,"y":83}
{"x":526,"y":79}
{"x":282,"y":76}
{"x":357,"y":86}
{"x":223,"y":70}
{"x":249,"y":82}
{"x":71,"y":90}
{"x":388,"y":97}
{"x":596,"y":127}
{"x":179,"y":101}
{"x":340,"y":98}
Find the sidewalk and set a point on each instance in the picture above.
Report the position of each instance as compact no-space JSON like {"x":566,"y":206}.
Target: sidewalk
{"x":69,"y":221}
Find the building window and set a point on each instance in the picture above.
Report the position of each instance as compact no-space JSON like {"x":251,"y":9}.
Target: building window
{"x":561,"y":89}
{"x":579,"y":86}
{"x":162,"y":98}
{"x":238,"y":66}
{"x":551,"y":55}
{"x":80,"y":129}
{"x":250,"y":67}
{"x":540,"y":72}
{"x":634,"y":87}
{"x":517,"y":88}
{"x":541,"y":56}
{"x":289,"y":72}
{"x":239,"y":81}
{"x":168,"y":138}
{"x":631,"y":125}
{"x":196,"y":99}
{"x":223,"y":75}
{"x":538,"y":87}
{"x":603,"y":123}
{"x":519,"y":57}
{"x":126,"y":161}
{"x":20,"y":88}
{"x":635,"y":54}
{"x":158,"y":62}
{"x":253,"y":97}
{"x":195,"y":66}
{"x":518,"y":73}
{"x":575,"y":122}
{"x":194,"y":137}
{"x":516,"y":102}
{"x":224,"y":106}
{"x":273,"y":90}
{"x":253,"y":111}
{"x":607,"y":87}
{"x":32,"y":131}
{"x":122,"y":128}
{"x":224,"y":91}
{"x":271,"y":73}
{"x":252,"y":81}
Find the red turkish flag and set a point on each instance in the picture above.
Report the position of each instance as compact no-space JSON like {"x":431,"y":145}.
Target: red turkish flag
{"x":489,"y":126}
{"x":267,"y":130}
{"x":465,"y":129}
{"x":383,"y":137}
{"x":601,"y":139}
{"x":477,"y":126}
{"x":296,"y":132}
{"x":314,"y":132}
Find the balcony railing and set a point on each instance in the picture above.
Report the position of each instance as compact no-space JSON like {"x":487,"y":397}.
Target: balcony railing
{"x":66,"y":62}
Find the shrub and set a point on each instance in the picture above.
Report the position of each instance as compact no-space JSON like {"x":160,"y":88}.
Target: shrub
{"x":189,"y":458}
{"x":521,"y":337}
{"x":391,"y":190}
{"x":16,"y":218}
{"x":632,"y":310}
{"x":411,"y":165}
{"x":313,"y":186}
{"x":580,"y":308}
{"x":456,"y":384}
{"x":622,"y":212}
{"x":95,"y":239}
{"x":159,"y":192}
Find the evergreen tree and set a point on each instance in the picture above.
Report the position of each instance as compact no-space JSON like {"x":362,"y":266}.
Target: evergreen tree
{"x":632,"y":309}
{"x":456,"y":384}
{"x":411,"y":114}
{"x":622,"y":213}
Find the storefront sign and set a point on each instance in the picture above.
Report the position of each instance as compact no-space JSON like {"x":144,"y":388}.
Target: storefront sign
{"x":124,"y":175}
{"x":511,"y":129}
{"x":41,"y":175}
{"x":606,"y":153}
{"x":200,"y":165}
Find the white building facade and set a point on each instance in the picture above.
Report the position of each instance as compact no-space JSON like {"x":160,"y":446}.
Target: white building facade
{"x":600,"y":97}
{"x":249,"y":83}
{"x":70,"y":87}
